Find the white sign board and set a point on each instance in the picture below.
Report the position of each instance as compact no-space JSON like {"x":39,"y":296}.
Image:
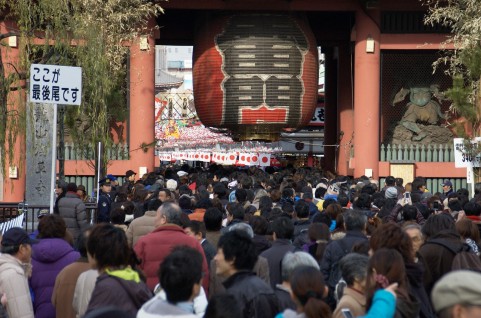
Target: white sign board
{"x":318,"y":117}
{"x":55,"y":84}
{"x":462,"y":159}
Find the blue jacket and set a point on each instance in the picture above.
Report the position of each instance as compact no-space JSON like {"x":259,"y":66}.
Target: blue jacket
{"x":383,"y":305}
{"x":49,"y":257}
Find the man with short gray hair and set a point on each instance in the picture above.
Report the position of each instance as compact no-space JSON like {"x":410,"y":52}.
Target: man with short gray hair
{"x":355,"y":222}
{"x":152,"y":248}
{"x":353,"y":268}
{"x":290,"y":262}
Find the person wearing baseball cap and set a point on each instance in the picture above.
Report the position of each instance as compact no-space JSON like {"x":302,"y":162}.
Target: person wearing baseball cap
{"x":458,"y":294}
{"x":114,"y":184}
{"x":447,"y":188}
{"x":15,"y":267}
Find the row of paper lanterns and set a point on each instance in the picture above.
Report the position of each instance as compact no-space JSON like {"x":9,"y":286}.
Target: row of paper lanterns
{"x":229,"y":158}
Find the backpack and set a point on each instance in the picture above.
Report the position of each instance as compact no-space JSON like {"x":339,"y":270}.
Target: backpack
{"x":464,"y":258}
{"x":335,"y":274}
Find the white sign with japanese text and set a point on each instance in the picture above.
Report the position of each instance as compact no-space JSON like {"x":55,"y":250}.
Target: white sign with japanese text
{"x":55,"y":84}
{"x":463,"y":159}
{"x":318,"y":117}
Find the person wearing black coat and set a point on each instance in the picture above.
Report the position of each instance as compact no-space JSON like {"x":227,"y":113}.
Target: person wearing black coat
{"x":105,"y":201}
{"x":235,"y":260}
{"x":355,"y":223}
{"x":438,"y":258}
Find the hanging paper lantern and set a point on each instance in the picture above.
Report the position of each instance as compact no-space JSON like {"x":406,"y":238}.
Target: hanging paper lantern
{"x":255,"y":74}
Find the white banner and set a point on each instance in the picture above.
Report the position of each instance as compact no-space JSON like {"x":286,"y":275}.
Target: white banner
{"x":229,"y":158}
{"x":165,"y":156}
{"x":16,"y":222}
{"x":264,"y":159}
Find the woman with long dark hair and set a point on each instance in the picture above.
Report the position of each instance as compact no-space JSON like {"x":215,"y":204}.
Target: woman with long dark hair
{"x":386,"y":266}
{"x":391,"y":236}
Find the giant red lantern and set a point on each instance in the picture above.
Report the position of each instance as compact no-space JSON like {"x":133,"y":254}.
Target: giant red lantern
{"x":255,"y":74}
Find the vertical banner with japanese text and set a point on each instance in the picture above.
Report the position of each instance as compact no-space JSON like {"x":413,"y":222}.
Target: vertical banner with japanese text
{"x":39,"y":153}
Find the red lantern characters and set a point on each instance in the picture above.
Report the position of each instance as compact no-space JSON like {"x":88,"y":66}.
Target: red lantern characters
{"x":255,"y":74}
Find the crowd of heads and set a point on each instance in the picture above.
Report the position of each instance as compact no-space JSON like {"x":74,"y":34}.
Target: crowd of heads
{"x":302,"y":206}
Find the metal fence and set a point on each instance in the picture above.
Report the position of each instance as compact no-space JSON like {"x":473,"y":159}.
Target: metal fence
{"x":9,"y":211}
{"x":434,"y":184}
{"x":418,"y":153}
{"x":116,"y":152}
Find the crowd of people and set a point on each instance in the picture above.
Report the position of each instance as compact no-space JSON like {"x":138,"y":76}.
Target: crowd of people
{"x":248,"y":242}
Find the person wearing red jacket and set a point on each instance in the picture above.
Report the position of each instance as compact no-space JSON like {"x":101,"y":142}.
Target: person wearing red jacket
{"x":154,"y":247}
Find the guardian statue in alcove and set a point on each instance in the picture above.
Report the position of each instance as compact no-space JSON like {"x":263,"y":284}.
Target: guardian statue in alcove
{"x":422,"y":108}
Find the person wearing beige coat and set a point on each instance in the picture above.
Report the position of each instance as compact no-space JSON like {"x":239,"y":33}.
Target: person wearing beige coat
{"x":15,"y":268}
{"x":140,"y":227}
{"x":144,"y":224}
{"x":354,"y":270}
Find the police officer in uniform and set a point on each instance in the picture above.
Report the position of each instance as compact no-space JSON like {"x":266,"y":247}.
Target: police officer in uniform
{"x":114,"y":183}
{"x":103,"y":207}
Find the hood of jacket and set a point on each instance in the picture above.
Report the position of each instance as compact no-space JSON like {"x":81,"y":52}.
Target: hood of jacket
{"x":451,"y":235}
{"x":137,"y":290}
{"x":50,"y":250}
{"x":126,"y":274}
{"x":71,"y":194}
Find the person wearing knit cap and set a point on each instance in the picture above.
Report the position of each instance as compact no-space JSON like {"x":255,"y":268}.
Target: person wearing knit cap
{"x":458,"y":294}
{"x":171,"y":184}
{"x":391,"y":193}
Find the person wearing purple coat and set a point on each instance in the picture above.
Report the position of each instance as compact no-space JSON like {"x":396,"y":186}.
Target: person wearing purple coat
{"x":50,"y":255}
